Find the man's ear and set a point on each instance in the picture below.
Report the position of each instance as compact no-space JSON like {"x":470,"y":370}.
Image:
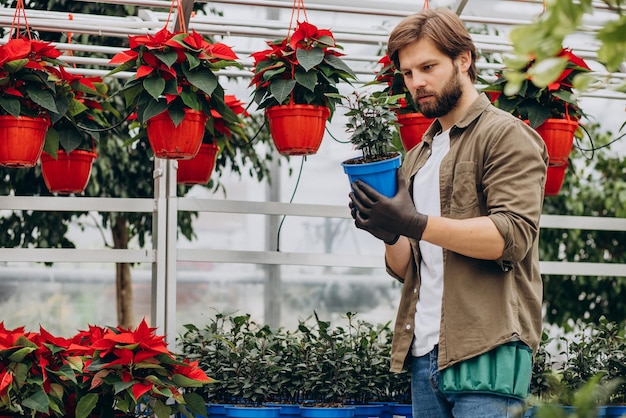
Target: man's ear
{"x":464,"y":61}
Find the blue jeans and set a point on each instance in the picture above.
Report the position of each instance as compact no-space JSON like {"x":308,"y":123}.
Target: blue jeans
{"x":429,"y":402}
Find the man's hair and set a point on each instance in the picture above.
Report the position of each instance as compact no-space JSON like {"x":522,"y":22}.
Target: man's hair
{"x":442,"y":26}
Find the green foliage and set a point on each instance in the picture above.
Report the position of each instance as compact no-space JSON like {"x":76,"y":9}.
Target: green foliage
{"x":316,"y":363}
{"x":372,"y":122}
{"x":586,"y":192}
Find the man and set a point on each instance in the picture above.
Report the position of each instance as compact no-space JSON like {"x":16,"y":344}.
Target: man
{"x":461,"y":233}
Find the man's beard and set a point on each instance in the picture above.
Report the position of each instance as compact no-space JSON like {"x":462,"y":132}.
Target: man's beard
{"x":445,"y":101}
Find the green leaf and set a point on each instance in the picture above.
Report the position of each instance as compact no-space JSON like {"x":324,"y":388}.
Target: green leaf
{"x":161,"y":410}
{"x":37,"y":401}
{"x":11,"y":105}
{"x":43,"y":98}
{"x":547,"y":71}
{"x":195,"y":403}
{"x":339,"y":64}
{"x":153,"y":108}
{"x":308,"y":79}
{"x":204,"y":80}
{"x":51,"y":145}
{"x":168,"y":57}
{"x":309,"y":58}
{"x":154,"y":85}
{"x":86,"y":404}
{"x":281,"y":89}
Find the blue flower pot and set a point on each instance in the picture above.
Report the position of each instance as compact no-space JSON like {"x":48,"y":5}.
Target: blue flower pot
{"x":252,"y":412}
{"x":615,"y":411}
{"x":381,"y":175}
{"x":215,"y":410}
{"x":286,"y":409}
{"x":313,"y":412}
{"x":402,"y":411}
{"x":368,"y":411}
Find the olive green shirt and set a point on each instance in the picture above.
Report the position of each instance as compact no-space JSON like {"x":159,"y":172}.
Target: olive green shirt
{"x":496,"y":167}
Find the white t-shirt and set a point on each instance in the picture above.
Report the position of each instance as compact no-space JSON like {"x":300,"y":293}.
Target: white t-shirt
{"x":427,"y":201}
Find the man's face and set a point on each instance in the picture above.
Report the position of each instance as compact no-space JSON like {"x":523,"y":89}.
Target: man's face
{"x":432,"y":78}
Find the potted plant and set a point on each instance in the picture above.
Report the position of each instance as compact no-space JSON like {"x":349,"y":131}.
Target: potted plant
{"x":371,"y":124}
{"x":549,"y":107}
{"x":175,"y":88}
{"x":29,"y":101}
{"x":70,"y":146}
{"x":413,"y":124}
{"x":292,"y":81}
{"x":102,"y":372}
{"x":198,"y":169}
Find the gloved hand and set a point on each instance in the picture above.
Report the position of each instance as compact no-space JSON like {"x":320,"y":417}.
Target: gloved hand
{"x":388,"y":237}
{"x":396,"y":215}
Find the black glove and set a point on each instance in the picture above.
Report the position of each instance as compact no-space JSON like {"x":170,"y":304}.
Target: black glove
{"x":396,"y":215}
{"x":388,"y":237}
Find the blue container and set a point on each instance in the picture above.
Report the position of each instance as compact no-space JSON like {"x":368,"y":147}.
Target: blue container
{"x":615,"y":411}
{"x":386,"y":408}
{"x":368,"y":411}
{"x":215,"y":410}
{"x":402,"y":410}
{"x":313,"y":412}
{"x":381,"y":175}
{"x":286,"y":409}
{"x":252,"y":412}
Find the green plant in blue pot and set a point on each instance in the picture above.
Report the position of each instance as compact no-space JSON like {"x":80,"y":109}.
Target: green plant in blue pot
{"x":372,"y":126}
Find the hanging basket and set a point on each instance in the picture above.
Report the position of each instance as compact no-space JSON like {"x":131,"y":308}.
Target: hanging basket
{"x":198,"y":169}
{"x":176,"y":142}
{"x":297,"y":129}
{"x":69,"y":173}
{"x":558,"y":134}
{"x":412,"y":128}
{"x":554,"y":179}
{"x":21,"y":140}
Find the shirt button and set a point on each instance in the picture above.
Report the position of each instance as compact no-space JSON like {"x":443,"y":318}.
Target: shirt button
{"x":408,"y":326}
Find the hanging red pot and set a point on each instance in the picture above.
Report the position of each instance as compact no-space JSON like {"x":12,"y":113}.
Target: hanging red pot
{"x":197,"y":170}
{"x":69,"y":173}
{"x":176,"y":142}
{"x":554,"y":179}
{"x":21,"y":140}
{"x":297,"y":129}
{"x":412,"y":128}
{"x":558,"y":134}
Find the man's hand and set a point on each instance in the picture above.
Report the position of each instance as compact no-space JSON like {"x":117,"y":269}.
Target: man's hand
{"x":388,"y":237}
{"x":377,"y":213}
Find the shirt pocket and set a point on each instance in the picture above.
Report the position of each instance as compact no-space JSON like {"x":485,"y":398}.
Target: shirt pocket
{"x":464,"y":199}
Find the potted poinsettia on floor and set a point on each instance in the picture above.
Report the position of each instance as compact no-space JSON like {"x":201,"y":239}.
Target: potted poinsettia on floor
{"x":412,"y":122}
{"x":28,"y":99}
{"x":175,"y":88}
{"x":551,"y":107}
{"x":292,"y":82}
{"x":70,"y":146}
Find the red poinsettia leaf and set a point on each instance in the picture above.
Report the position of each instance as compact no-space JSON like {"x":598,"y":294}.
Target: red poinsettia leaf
{"x":220,"y":51}
{"x":17,"y":49}
{"x":124,"y":56}
{"x":141,"y":388}
{"x":195,"y":40}
{"x":44,"y":49}
{"x":144,"y":71}
{"x":13,"y":92}
{"x":573,"y":58}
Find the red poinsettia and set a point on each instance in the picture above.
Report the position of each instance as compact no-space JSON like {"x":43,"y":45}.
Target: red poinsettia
{"x":394,"y":85}
{"x":94,"y":373}
{"x":25,"y":88}
{"x":174,"y":71}
{"x":536,"y":101}
{"x":300,"y":69}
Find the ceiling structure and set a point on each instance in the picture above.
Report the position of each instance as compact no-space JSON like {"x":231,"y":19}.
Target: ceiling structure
{"x":361,"y":27}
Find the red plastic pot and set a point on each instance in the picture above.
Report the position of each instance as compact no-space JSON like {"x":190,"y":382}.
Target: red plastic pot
{"x":198,"y":169}
{"x":554,"y":179}
{"x":176,"y":142}
{"x":297,"y":129}
{"x":558,"y":134}
{"x":69,"y":173}
{"x":412,"y":128}
{"x":21,"y":140}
